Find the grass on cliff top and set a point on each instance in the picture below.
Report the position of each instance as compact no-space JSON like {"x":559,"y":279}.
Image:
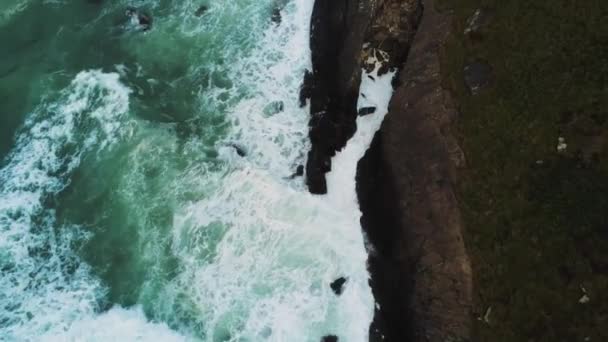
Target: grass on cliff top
{"x":536,"y":219}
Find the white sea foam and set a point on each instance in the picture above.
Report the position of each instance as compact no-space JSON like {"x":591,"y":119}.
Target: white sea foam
{"x":276,"y":248}
{"x":44,"y":286}
{"x":118,"y":324}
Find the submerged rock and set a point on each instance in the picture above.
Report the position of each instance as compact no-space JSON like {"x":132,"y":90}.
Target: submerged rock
{"x":274,"y":108}
{"x":338,"y":285}
{"x":144,"y":21}
{"x":202,"y":9}
{"x":276,"y":15}
{"x":330,"y":338}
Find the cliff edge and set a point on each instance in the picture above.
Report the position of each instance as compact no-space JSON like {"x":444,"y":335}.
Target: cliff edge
{"x":420,"y":269}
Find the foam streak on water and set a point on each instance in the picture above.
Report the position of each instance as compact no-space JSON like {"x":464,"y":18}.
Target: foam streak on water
{"x":44,"y":286}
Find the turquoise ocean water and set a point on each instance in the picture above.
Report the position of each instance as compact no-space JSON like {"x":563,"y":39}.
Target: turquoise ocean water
{"x":145,"y":189}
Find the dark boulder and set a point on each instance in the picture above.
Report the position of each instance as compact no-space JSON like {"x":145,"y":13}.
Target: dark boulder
{"x":330,"y":338}
{"x":338,"y":285}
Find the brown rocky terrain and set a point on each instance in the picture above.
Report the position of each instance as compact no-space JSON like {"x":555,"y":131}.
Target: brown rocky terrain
{"x":420,"y":268}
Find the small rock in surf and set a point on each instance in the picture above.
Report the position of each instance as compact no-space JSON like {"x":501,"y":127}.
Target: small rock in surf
{"x":276,"y":15}
{"x":299,"y":172}
{"x":366,"y":111}
{"x":274,"y":108}
{"x":338,"y":285}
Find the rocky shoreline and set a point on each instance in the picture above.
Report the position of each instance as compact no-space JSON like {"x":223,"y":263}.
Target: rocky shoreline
{"x":420,"y":273}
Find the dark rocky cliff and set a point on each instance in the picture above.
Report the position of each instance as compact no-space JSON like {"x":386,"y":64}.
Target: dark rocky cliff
{"x":420,"y":272}
{"x":420,"y":269}
{"x":343,"y":33}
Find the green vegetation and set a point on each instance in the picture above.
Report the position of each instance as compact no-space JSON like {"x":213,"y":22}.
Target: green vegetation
{"x":536,"y":219}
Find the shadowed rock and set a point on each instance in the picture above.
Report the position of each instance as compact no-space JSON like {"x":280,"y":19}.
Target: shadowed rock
{"x":366,"y":111}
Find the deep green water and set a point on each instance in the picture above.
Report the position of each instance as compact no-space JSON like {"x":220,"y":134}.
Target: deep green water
{"x":125,"y":212}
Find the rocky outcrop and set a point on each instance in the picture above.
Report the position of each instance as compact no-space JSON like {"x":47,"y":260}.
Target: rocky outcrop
{"x":344,"y":34}
{"x":421,"y":275}
{"x":420,"y":271}
{"x":337,"y":32}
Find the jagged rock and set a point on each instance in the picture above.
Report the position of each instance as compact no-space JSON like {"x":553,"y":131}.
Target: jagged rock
{"x":366,"y":111}
{"x":274,"y":108}
{"x":477,"y":75}
{"x":239,"y":149}
{"x":306,"y":88}
{"x":338,"y":285}
{"x":342,"y":33}
{"x":276,"y":15}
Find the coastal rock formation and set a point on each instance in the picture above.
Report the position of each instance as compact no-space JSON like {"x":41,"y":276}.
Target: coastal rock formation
{"x":338,"y":30}
{"x":421,"y":274}
{"x":345,"y":34}
{"x":420,"y":270}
